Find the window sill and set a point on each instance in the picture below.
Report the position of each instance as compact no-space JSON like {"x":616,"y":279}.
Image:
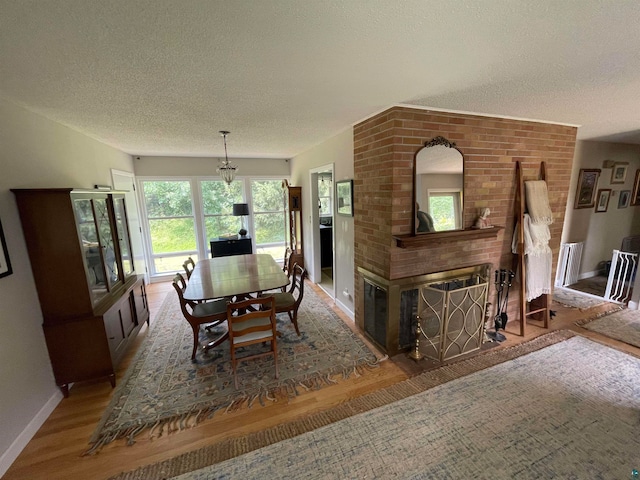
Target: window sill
{"x":427,"y":239}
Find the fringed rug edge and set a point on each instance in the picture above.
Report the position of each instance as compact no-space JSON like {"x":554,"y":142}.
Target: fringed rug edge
{"x":285,"y":391}
{"x":234,"y":447}
{"x":582,"y":322}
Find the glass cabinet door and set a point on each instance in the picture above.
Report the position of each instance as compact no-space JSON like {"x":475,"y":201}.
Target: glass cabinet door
{"x":122,"y":230}
{"x":107,"y":240}
{"x":90,"y":242}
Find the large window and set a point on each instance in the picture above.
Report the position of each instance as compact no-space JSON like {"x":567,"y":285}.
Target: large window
{"x":184,"y":215}
{"x":171,"y":222}
{"x":217,"y":204}
{"x":268,"y":216}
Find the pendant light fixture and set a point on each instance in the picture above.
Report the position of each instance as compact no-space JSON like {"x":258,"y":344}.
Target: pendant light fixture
{"x":226,"y":171}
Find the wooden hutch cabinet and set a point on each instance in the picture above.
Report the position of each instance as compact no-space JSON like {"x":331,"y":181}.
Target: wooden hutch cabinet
{"x":92,"y":301}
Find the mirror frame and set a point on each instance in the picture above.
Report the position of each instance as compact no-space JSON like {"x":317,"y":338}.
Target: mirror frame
{"x":439,"y":140}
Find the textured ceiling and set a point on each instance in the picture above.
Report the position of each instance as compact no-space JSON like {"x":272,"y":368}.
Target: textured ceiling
{"x":160,"y":77}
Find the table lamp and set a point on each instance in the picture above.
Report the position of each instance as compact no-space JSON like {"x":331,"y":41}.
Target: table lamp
{"x":241,"y":210}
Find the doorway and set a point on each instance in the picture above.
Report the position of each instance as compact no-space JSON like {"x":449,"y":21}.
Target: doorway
{"x":125,"y":181}
{"x":321,"y":181}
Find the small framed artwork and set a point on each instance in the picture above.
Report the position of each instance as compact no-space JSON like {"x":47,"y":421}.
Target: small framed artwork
{"x":344,"y":197}
{"x":5,"y":263}
{"x":586,"y":192}
{"x":619,"y":173}
{"x":604,"y":194}
{"x":635,"y":196}
{"x":623,"y":199}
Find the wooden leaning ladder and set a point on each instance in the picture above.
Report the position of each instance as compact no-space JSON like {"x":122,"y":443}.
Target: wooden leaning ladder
{"x":538,"y":307}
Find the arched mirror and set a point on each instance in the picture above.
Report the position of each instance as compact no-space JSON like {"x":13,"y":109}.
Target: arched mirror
{"x":438,"y":185}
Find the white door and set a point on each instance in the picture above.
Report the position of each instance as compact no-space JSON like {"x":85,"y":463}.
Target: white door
{"x":125,"y":181}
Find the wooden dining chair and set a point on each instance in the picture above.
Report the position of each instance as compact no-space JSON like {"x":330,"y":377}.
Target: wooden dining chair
{"x":289,"y":301}
{"x":251,"y":321}
{"x":197,"y":314}
{"x":286,"y":265}
{"x":188,"y":266}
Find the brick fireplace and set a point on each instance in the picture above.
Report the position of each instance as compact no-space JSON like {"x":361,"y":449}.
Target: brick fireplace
{"x":384,"y":149}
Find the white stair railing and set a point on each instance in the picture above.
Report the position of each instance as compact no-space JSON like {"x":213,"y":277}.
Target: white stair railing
{"x":568,"y":264}
{"x":621,"y":275}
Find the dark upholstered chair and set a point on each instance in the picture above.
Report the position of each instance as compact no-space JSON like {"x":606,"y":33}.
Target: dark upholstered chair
{"x":251,"y":321}
{"x":289,"y":301}
{"x":207,"y":313}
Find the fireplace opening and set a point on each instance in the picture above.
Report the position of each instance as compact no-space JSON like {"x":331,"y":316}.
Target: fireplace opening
{"x":450,"y":306}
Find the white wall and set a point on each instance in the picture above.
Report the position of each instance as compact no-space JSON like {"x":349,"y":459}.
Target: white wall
{"x":339,"y":151}
{"x":35,"y":152}
{"x":602,"y":232}
{"x":199,"y":166}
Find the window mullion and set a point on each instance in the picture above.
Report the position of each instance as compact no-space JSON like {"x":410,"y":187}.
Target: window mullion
{"x":198,"y":212}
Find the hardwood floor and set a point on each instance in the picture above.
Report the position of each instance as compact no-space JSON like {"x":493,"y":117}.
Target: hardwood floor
{"x":55,"y":451}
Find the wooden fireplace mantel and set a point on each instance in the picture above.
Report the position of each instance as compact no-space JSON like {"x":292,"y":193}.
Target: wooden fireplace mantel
{"x":425,"y":240}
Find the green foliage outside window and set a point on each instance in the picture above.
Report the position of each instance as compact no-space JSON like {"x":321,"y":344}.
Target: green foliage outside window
{"x":268,"y":211}
{"x":442,"y":209}
{"x":168,"y":199}
{"x":324,"y":196}
{"x":217,"y":201}
{"x":164,"y":200}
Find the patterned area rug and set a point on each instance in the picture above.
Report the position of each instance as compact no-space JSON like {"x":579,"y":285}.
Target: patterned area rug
{"x":575,"y":299}
{"x":550,"y":408}
{"x":623,"y":325}
{"x":164,"y":392}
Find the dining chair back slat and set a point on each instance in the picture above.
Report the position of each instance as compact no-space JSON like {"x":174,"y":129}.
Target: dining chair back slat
{"x":188,"y":266}
{"x":252,"y":321}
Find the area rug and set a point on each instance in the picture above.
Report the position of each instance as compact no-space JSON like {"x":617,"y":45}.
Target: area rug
{"x":570,"y":408}
{"x":163,"y":391}
{"x":623,"y":325}
{"x":575,"y":299}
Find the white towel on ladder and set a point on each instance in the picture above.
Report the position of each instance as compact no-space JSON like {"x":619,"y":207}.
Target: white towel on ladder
{"x":537,"y":257}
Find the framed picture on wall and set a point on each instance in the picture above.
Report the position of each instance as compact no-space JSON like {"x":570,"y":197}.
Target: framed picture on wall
{"x":587,"y":184}
{"x":344,"y":197}
{"x":619,"y":173}
{"x":635,"y":196}
{"x":623,"y":200}
{"x":5,"y":263}
{"x":604,"y":194}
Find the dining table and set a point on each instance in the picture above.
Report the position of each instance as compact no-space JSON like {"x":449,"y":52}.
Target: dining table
{"x":234,"y":276}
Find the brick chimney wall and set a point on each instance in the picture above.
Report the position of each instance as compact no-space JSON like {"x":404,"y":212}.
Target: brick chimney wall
{"x":384,"y":150}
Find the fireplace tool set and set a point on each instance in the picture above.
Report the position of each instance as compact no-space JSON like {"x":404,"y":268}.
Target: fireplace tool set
{"x":503,"y":280}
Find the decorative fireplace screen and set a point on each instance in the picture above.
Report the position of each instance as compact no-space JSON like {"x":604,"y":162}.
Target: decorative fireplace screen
{"x":451,"y":317}
{"x":390,"y":308}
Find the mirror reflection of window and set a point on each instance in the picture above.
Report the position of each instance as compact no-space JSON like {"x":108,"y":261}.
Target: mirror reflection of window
{"x":439,"y":185}
{"x":444,"y":208}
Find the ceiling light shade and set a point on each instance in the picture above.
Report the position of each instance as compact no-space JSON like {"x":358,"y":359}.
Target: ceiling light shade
{"x":226,"y":171}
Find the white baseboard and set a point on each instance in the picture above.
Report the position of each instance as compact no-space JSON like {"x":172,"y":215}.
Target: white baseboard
{"x":345,"y":309}
{"x":584,"y":275}
{"x":27,"y":434}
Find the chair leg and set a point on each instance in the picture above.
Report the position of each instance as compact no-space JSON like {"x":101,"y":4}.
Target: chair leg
{"x":294,"y":320}
{"x":196,"y":331}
